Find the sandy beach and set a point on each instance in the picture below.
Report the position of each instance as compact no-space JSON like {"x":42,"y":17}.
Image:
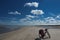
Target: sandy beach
{"x":29,"y":33}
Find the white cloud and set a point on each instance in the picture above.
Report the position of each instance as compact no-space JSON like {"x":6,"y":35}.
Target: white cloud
{"x":29,"y":21}
{"x":14,"y":13}
{"x":58,"y":16}
{"x":27,"y":18}
{"x":34,"y":22}
{"x":46,"y":21}
{"x":30,"y":16}
{"x":23,"y":20}
{"x":51,"y":20}
{"x":37,"y":12}
{"x":35,"y":4}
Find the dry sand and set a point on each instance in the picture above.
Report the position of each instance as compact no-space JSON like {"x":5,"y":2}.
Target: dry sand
{"x":29,"y":33}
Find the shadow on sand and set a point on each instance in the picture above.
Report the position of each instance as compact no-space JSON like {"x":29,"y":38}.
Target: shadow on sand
{"x":38,"y":39}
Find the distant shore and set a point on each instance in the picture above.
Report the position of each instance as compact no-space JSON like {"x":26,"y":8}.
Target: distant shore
{"x":9,"y":28}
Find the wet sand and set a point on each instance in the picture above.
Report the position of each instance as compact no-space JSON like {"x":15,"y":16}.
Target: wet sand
{"x":29,"y":33}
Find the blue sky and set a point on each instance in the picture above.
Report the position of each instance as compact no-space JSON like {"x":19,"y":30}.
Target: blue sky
{"x":30,"y":12}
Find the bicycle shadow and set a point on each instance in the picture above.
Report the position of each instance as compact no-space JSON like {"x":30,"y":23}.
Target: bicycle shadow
{"x":38,"y":39}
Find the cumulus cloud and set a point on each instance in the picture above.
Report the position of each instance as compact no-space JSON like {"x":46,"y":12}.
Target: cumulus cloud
{"x":50,"y":20}
{"x":34,"y":22}
{"x":45,"y":21}
{"x":58,"y":16}
{"x":30,"y":16}
{"x":35,"y":4}
{"x":14,"y":13}
{"x":37,"y":12}
{"x":23,"y":20}
{"x":28,"y":21}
